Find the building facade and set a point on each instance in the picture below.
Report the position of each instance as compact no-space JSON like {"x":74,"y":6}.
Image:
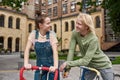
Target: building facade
{"x":14,"y":29}
{"x":63,"y":14}
{"x":16,"y":26}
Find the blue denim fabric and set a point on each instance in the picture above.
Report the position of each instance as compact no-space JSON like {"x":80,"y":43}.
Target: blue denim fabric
{"x":83,"y":74}
{"x":44,"y":55}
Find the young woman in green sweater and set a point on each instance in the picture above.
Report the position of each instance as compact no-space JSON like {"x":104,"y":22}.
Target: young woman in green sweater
{"x":92,"y":56}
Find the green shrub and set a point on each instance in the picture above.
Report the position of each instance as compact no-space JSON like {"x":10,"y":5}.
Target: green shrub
{"x":32,"y":55}
{"x":116,"y":61}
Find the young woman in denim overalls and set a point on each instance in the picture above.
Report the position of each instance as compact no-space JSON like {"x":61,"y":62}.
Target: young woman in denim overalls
{"x":45,"y":46}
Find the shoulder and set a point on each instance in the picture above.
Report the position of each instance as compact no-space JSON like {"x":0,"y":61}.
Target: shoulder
{"x":53,"y":38}
{"x":52,"y":33}
{"x":32,"y":34}
{"x":94,"y":38}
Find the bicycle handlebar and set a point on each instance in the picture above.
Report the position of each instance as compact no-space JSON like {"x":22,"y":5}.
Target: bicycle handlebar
{"x":37,"y":68}
{"x":92,"y":69}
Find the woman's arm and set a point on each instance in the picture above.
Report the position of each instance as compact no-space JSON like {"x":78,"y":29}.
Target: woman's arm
{"x":72,"y":47}
{"x":55,"y":55}
{"x":30,"y":41}
{"x":71,"y":52}
{"x":93,"y":45}
{"x":54,"y":44}
{"x":26,"y":53}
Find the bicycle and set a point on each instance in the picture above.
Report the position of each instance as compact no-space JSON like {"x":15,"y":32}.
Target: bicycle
{"x":97,"y":77}
{"x":36,"y":68}
{"x":116,"y":76}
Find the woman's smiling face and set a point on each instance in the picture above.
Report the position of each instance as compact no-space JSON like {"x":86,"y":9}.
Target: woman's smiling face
{"x":47,"y":24}
{"x":80,"y":27}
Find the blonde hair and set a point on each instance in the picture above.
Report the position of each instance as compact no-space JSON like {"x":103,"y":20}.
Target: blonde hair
{"x":87,"y":20}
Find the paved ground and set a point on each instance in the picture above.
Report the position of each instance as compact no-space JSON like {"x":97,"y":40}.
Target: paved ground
{"x":9,"y":68}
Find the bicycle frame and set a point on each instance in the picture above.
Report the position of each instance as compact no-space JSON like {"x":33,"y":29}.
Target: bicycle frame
{"x":91,"y":69}
{"x":37,"y":68}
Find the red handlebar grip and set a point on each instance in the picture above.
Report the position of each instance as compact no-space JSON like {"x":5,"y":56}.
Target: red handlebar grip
{"x":37,"y":68}
{"x":56,"y":75}
{"x":21,"y":73}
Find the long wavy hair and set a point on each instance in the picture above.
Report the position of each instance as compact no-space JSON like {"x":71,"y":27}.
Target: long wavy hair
{"x":87,"y":20}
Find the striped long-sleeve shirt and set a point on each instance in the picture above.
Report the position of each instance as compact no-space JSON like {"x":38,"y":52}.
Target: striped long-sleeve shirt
{"x":92,"y":55}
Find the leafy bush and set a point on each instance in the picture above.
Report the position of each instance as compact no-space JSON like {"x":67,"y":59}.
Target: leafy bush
{"x":32,"y":55}
{"x":116,"y":61}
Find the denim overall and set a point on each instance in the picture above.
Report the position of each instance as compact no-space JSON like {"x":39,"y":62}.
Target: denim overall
{"x":44,"y":55}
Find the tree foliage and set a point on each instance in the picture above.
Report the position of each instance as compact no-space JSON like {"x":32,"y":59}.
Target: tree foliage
{"x":15,"y":4}
{"x":113,"y":6}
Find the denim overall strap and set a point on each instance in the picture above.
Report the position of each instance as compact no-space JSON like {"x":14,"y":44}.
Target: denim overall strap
{"x":47,"y":35}
{"x":44,"y":55}
{"x":36,"y":34}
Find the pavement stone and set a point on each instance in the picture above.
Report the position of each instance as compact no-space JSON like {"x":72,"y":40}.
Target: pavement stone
{"x":9,"y":69}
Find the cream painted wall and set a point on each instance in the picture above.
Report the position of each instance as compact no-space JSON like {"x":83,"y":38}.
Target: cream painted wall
{"x":14,"y":33}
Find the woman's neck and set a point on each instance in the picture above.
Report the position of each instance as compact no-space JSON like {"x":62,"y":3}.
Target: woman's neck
{"x":42,"y":32}
{"x":83,"y":34}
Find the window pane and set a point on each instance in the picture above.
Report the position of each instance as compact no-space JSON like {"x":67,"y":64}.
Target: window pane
{"x":97,"y":22}
{"x":2,"y":21}
{"x":64,"y":10}
{"x":73,"y":6}
{"x":55,"y":11}
{"x":66,"y":26}
{"x":72,"y":25}
{"x":50,"y":2}
{"x":55,"y":28}
{"x":17,"y":23}
{"x":54,"y":1}
{"x":49,"y":12}
{"x":30,"y":28}
{"x":10,"y":22}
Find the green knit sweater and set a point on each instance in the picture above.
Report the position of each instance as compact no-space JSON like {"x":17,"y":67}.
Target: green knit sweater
{"x":92,"y":55}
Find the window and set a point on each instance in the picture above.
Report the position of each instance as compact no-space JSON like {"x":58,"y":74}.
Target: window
{"x":18,"y":23}
{"x":72,"y":25}
{"x":49,"y":12}
{"x":43,"y":10}
{"x":97,"y":19}
{"x":87,"y":5}
{"x":30,"y":28}
{"x":64,"y":10}
{"x":66,"y":26}
{"x":1,"y":42}
{"x":50,"y":2}
{"x":9,"y":45}
{"x":55,"y":28}
{"x":54,"y":1}
{"x":98,"y":2}
{"x":73,"y":6}
{"x":1,"y":20}
{"x":10,"y":22}
{"x":17,"y":41}
{"x":55,"y":11}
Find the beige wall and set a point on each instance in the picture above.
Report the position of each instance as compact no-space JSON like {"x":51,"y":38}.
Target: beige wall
{"x":67,"y":35}
{"x":23,"y":33}
{"x":14,"y":33}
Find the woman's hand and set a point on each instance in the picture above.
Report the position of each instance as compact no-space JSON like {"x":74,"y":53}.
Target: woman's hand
{"x":28,"y":66}
{"x":52,"y":69}
{"x":63,"y":66}
{"x":65,"y":74}
{"x":64,"y":70}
